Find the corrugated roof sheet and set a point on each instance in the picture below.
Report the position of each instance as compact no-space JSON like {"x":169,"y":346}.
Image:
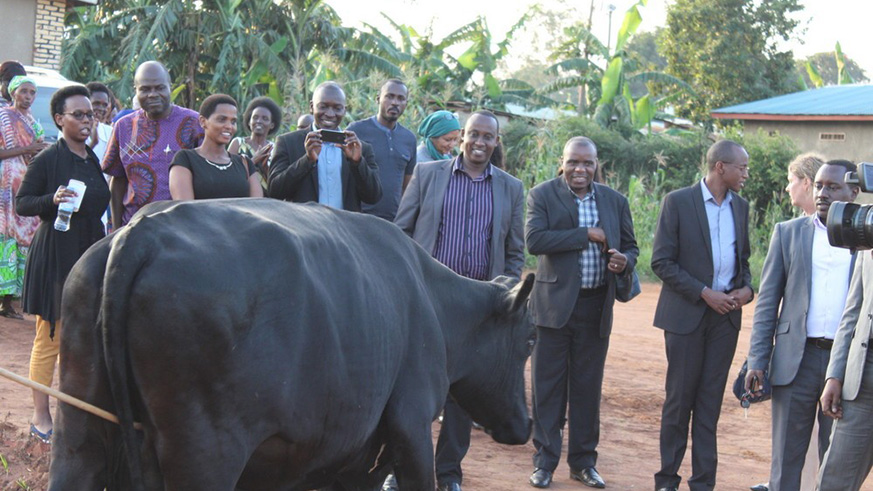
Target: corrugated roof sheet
{"x":834,"y":100}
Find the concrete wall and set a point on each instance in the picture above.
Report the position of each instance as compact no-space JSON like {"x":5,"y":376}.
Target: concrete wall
{"x":857,"y":145}
{"x":19,"y":17}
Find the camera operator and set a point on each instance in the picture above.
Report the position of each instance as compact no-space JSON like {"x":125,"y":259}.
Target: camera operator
{"x":810,"y":279}
{"x":848,"y":392}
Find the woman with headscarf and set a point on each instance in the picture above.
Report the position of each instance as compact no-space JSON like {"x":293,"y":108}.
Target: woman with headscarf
{"x":8,"y":70}
{"x":21,"y":137}
{"x":53,"y":253}
{"x":441,"y":131}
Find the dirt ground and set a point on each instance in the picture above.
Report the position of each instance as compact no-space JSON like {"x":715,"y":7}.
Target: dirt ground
{"x":632,"y":397}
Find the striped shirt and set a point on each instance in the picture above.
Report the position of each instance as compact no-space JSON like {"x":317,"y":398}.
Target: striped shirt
{"x":592,"y":262}
{"x":464,"y":239}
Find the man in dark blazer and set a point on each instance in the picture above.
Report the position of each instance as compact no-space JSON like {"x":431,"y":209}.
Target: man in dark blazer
{"x":701,"y":254}
{"x":583,"y":236}
{"x":468,"y":214}
{"x":796,"y":320}
{"x":306,"y":168}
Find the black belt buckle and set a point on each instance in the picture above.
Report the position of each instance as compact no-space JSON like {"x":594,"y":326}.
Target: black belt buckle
{"x":821,"y":343}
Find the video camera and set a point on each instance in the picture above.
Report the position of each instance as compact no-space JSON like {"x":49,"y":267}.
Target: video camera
{"x":850,"y":225}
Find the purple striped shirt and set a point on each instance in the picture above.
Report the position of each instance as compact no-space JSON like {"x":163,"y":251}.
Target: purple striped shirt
{"x":464,"y":240}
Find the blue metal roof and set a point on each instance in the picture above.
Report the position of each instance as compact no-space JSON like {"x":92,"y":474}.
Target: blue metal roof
{"x":834,"y":100}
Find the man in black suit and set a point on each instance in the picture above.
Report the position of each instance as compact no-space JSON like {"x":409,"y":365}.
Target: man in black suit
{"x":701,"y":254}
{"x":583,"y":236}
{"x":305,"y":168}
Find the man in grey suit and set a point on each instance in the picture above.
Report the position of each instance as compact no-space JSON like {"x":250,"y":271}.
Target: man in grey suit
{"x":809,"y":278}
{"x":701,"y":254}
{"x":468,"y":214}
{"x":848,"y":392}
{"x":583,"y":236}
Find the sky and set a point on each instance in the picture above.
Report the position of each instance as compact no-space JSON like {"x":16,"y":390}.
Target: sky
{"x":825,"y":21}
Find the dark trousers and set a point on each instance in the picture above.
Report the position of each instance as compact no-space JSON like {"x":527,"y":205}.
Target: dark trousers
{"x":567,"y":370}
{"x":697,"y":370}
{"x":453,"y":443}
{"x":795,"y":408}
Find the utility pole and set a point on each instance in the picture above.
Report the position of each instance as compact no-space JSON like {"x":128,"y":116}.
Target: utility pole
{"x":609,"y":29}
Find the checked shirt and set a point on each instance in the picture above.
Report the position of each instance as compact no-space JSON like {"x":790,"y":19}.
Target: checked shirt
{"x":592,"y":263}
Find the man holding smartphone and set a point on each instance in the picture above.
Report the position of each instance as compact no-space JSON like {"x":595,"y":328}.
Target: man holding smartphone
{"x":325,"y":164}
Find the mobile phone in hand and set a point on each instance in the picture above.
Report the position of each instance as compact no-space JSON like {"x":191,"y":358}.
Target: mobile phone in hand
{"x":333,"y":136}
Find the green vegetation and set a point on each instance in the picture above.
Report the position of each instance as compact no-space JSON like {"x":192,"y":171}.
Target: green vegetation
{"x":711,"y":53}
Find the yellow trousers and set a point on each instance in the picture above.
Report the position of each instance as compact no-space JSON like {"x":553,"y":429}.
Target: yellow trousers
{"x":45,"y":352}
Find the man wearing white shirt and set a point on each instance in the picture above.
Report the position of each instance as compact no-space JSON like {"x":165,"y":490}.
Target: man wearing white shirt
{"x":810,"y":279}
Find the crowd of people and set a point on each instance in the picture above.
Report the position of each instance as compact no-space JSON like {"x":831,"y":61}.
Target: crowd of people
{"x":469,"y":214}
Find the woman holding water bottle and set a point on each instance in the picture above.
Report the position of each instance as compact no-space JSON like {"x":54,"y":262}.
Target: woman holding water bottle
{"x":65,"y":188}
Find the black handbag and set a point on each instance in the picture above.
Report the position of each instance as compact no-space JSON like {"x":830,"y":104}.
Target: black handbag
{"x":627,"y":287}
{"x":747,"y":398}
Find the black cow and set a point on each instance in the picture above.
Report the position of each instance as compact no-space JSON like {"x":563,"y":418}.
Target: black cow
{"x":269,"y":345}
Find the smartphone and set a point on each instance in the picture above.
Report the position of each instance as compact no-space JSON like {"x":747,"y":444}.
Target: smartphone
{"x":333,"y":136}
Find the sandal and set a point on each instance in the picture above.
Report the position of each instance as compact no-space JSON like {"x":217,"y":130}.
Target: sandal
{"x":43,"y":437}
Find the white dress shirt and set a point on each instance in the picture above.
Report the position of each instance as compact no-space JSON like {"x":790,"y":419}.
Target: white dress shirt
{"x":831,"y":267}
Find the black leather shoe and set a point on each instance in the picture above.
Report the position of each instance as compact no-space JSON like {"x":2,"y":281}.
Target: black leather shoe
{"x":761,"y":487}
{"x":588,"y":476}
{"x":541,"y":478}
{"x":669,"y":488}
{"x":452,"y":486}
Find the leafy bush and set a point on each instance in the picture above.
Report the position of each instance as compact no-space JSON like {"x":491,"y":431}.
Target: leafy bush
{"x":647,"y":167}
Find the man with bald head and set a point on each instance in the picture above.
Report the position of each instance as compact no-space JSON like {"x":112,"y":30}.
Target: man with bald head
{"x":306,"y":167}
{"x":143,"y":144}
{"x":467,"y":214}
{"x":701,"y":254}
{"x":583,"y":236}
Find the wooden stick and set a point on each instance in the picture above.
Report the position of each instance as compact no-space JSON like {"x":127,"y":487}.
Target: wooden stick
{"x":84,"y":406}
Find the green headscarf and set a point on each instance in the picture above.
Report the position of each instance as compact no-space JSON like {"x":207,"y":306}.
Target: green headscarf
{"x":438,"y":124}
{"x":17,"y":81}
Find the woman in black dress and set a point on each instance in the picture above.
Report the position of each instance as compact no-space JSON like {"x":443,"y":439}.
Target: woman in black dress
{"x":209,"y":171}
{"x":52,"y":252}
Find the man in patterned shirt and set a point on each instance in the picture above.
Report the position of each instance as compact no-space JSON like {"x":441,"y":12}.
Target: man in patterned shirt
{"x":583,"y":236}
{"x":468,"y":214}
{"x":143,"y":144}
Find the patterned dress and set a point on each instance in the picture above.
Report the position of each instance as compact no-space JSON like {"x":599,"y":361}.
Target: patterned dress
{"x":16,"y":232}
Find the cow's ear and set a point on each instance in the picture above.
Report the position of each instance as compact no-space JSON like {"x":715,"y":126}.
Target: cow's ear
{"x":520,"y":292}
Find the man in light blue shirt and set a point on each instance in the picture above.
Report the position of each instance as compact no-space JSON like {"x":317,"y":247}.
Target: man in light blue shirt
{"x":723,"y":237}
{"x":307,"y":167}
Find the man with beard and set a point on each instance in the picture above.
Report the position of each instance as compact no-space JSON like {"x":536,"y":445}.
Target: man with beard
{"x":809,"y":278}
{"x":393,"y":145}
{"x":143,"y":144}
{"x":701,"y":254}
{"x":467,"y":214}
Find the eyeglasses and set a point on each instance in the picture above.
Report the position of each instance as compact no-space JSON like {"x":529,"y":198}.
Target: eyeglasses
{"x":81,"y":115}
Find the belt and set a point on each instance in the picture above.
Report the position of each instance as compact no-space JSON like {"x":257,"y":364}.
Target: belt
{"x":592,"y":292}
{"x":821,"y":343}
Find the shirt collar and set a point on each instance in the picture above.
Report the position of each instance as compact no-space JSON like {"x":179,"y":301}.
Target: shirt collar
{"x":817,"y":222}
{"x":588,"y":195}
{"x":458,"y":166}
{"x":383,"y":127}
{"x":707,"y":195}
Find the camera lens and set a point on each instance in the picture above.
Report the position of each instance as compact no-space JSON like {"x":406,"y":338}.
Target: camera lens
{"x":850,"y":226}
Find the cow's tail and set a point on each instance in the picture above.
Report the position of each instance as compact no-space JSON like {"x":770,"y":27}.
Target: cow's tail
{"x":126,"y":259}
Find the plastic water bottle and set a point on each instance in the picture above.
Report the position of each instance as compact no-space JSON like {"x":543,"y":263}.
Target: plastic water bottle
{"x":65,"y":211}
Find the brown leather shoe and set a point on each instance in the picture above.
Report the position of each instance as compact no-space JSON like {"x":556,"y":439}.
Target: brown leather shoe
{"x":588,"y":477}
